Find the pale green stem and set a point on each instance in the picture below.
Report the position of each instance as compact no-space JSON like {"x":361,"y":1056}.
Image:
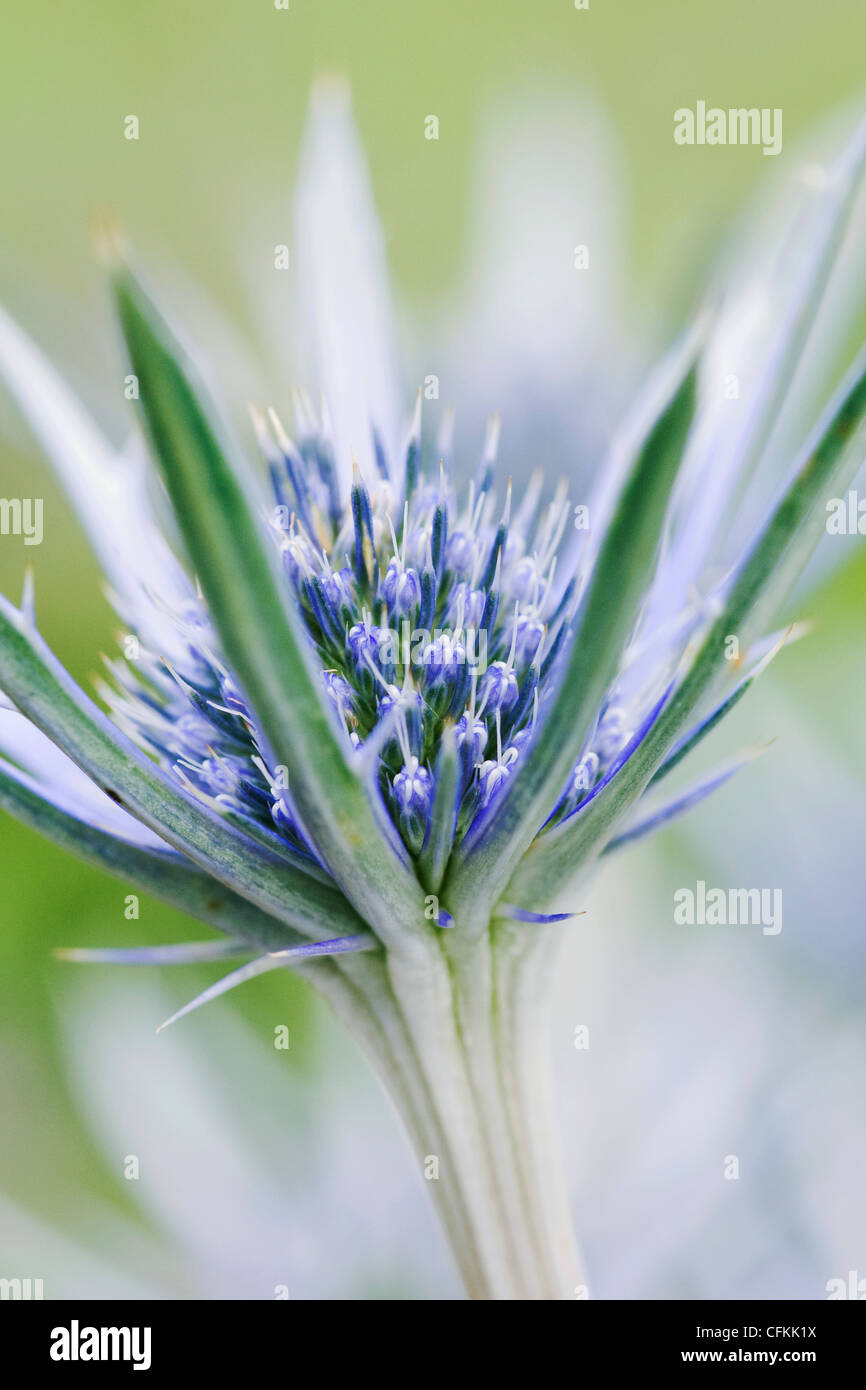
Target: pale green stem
{"x":359,"y":991}
{"x":432,"y":1029}
{"x":525,"y":960}
{"x":472,"y":966}
{"x":424,"y":991}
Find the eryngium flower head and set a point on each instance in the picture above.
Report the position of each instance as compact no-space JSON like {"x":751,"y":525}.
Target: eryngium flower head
{"x":424,"y":611}
{"x":380,"y":715}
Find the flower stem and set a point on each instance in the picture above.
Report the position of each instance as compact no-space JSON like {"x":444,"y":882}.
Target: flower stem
{"x":461,"y":1053}
{"x":524,"y":965}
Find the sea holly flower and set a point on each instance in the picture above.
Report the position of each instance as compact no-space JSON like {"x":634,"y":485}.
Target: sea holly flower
{"x":398,"y":822}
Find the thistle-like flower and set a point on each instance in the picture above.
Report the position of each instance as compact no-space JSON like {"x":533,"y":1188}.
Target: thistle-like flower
{"x":376,"y":720}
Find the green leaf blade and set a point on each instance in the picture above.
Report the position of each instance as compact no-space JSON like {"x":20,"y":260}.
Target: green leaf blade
{"x":443,"y":813}
{"x":604,"y":622}
{"x":164,"y":874}
{"x":260,"y":632}
{"x":39,"y":686}
{"x":829,"y":462}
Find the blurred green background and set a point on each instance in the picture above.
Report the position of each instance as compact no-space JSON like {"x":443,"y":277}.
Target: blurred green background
{"x":220,"y":89}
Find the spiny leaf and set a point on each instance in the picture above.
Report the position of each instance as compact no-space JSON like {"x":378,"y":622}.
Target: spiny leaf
{"x":35,"y":681}
{"x":690,"y":741}
{"x":168,"y":876}
{"x":182,"y":953}
{"x":521,"y":914}
{"x":603,"y":624}
{"x":663,"y":815}
{"x":208,"y":484}
{"x":765,"y":575}
{"x":309,"y":950}
{"x":443,"y":813}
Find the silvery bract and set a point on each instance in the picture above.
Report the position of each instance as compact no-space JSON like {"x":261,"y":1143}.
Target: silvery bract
{"x":373,"y":722}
